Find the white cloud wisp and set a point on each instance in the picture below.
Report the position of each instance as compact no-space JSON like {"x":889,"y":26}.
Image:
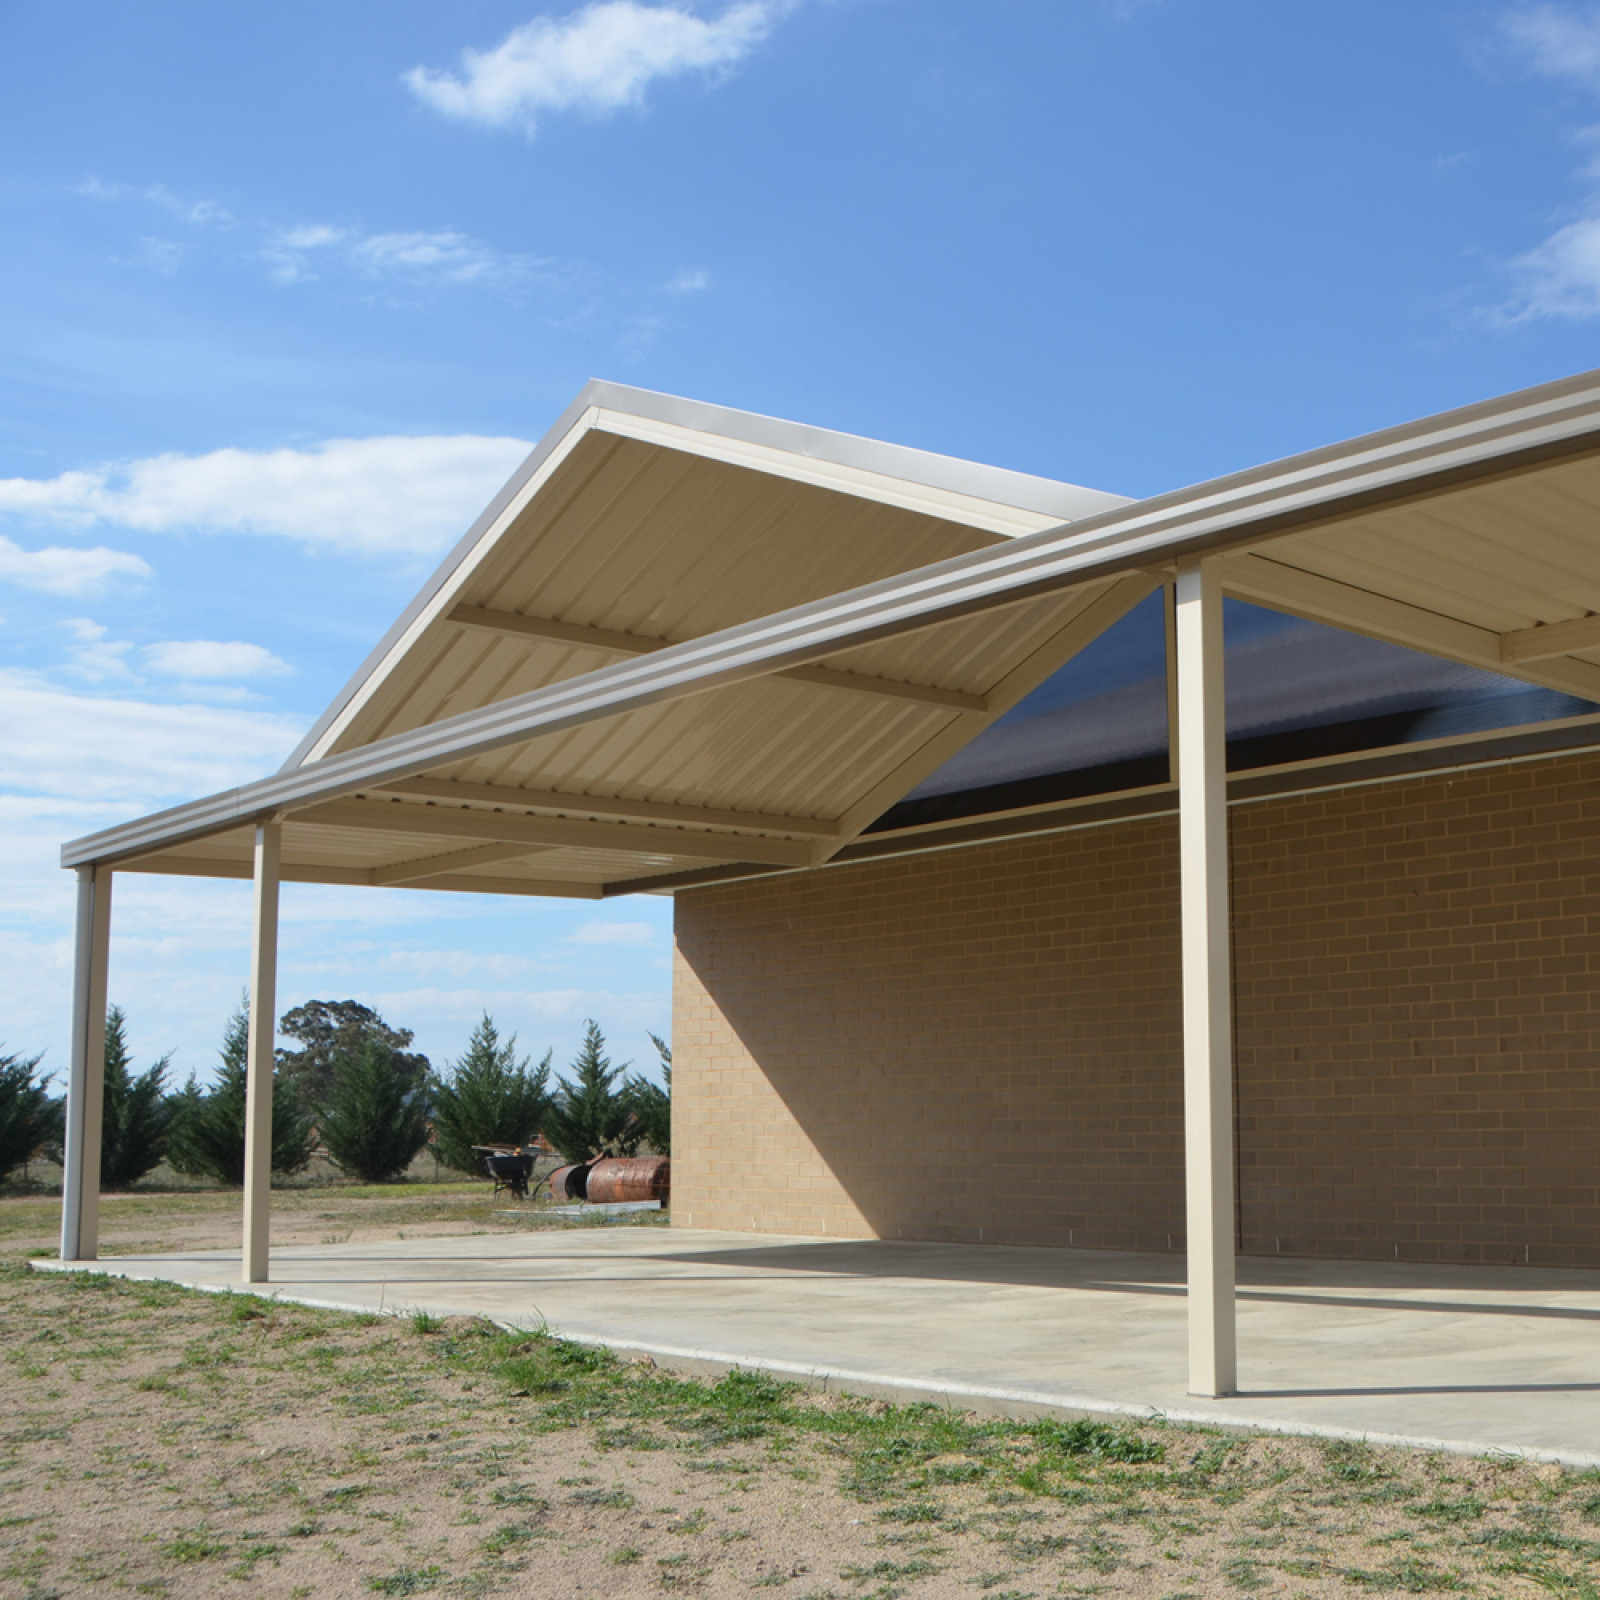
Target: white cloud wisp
{"x":1557,"y":43}
{"x":597,"y":60}
{"x":59,"y":570}
{"x":390,"y":495}
{"x":1561,"y":276}
{"x":440,"y":257}
{"x":206,"y":659}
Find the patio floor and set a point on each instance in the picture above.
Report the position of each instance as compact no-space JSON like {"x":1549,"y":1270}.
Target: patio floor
{"x":1473,"y":1359}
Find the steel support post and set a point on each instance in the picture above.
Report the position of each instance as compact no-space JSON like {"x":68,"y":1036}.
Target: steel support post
{"x":263,"y":1031}
{"x":1207,"y":981}
{"x":86,"y":1069}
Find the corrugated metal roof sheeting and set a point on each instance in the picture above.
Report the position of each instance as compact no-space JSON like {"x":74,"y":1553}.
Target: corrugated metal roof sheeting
{"x":638,"y":539}
{"x":1504,"y":555}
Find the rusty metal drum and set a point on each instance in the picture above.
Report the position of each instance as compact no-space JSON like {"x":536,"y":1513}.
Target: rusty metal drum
{"x":615,"y":1178}
{"x":569,"y":1183}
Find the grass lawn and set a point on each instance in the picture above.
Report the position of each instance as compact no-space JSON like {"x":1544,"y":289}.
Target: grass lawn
{"x":158,"y":1441}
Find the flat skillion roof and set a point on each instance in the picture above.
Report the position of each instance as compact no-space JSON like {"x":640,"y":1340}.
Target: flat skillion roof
{"x":685,"y":643}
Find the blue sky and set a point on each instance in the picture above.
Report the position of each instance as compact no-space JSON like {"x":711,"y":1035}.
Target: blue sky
{"x":286,"y":291}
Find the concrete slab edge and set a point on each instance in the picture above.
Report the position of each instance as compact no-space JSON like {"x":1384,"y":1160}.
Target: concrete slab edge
{"x":980,"y":1398}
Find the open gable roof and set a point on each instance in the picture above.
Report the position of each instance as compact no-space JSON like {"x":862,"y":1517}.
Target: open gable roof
{"x":1469,"y":535}
{"x":664,"y":519}
{"x":641,"y":522}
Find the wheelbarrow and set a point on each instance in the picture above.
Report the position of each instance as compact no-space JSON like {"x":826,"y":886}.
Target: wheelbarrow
{"x":510,"y":1166}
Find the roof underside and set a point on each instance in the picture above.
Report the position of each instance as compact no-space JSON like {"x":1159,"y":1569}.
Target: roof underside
{"x":626,"y":536}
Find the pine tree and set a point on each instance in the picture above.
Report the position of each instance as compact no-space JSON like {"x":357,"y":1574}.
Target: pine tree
{"x":590,"y":1115}
{"x":207,"y":1139}
{"x":650,"y":1104}
{"x":375,"y":1120}
{"x":28,"y":1116}
{"x":136,"y":1114}
{"x":489,"y":1098}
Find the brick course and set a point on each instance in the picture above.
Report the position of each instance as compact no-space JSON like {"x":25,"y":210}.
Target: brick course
{"x":984,"y":1044}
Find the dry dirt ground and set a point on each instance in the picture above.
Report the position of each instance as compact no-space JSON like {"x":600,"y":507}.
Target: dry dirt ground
{"x":150,"y":1220}
{"x":159,"y":1442}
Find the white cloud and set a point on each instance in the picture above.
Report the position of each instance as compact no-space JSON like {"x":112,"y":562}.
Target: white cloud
{"x":385,"y":495}
{"x":1557,"y":43}
{"x":451,"y":256}
{"x":205,"y":212}
{"x":1561,"y":276}
{"x":198,"y":211}
{"x":441,"y":256}
{"x":687,"y":282}
{"x":598,"y":60}
{"x":126,"y":754}
{"x":95,"y":655}
{"x":93,"y":188}
{"x":59,"y":570}
{"x":163,"y":256}
{"x":208,"y":658}
{"x":613,"y":933}
{"x":418,"y":257}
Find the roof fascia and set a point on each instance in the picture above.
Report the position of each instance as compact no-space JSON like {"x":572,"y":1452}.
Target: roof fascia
{"x":692,"y":424}
{"x":853,"y":453}
{"x":1495,"y":438}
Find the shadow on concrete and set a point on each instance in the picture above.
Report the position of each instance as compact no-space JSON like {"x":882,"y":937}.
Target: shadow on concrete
{"x":1115,"y":1273}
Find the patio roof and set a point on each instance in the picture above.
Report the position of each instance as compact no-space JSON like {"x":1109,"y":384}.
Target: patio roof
{"x":684,"y":638}
{"x":639,"y":522}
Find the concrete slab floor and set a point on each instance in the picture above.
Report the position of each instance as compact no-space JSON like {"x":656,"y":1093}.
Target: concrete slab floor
{"x":1471,"y":1359}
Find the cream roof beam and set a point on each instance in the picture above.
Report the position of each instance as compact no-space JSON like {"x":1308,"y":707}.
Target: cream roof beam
{"x":483,"y":855}
{"x":182,"y":866}
{"x":1550,"y":639}
{"x":634,"y":644}
{"x":453,"y":822}
{"x":501,"y":794}
{"x":1308,"y":594}
{"x":366,"y":877}
{"x":1478,"y":443}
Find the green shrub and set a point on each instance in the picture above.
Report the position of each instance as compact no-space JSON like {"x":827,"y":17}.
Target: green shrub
{"x":489,"y":1097}
{"x":375,"y":1120}
{"x":590,"y":1114}
{"x":29,"y":1118}
{"x":207,"y":1134}
{"x":650,"y":1104}
{"x":137,"y":1115}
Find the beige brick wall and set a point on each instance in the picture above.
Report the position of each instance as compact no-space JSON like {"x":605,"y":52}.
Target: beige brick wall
{"x":984,"y":1044}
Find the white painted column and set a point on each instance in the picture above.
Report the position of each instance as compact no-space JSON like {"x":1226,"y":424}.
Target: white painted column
{"x":86,"y":1069}
{"x":1207,"y":982}
{"x":263,"y":1031}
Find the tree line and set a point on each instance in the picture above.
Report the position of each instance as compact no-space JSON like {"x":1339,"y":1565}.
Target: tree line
{"x":353,"y":1088}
